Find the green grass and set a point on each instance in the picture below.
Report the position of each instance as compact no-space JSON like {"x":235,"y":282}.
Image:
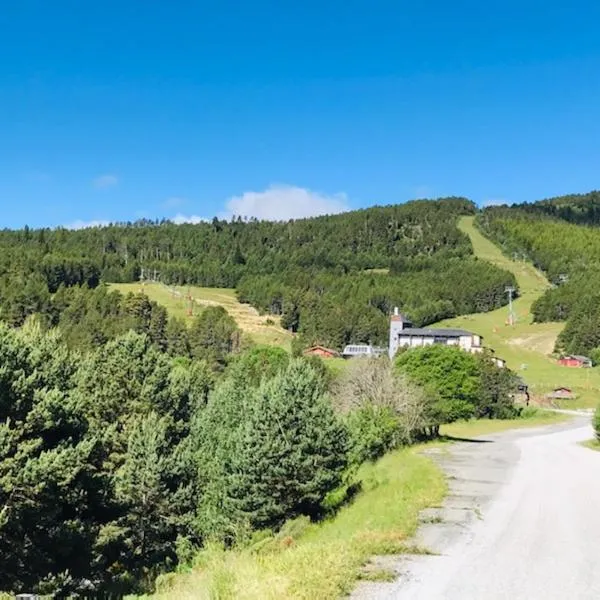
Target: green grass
{"x":322,"y":561}
{"x":592,"y":444}
{"x":263,"y":329}
{"x":526,"y":346}
{"x":468,"y":429}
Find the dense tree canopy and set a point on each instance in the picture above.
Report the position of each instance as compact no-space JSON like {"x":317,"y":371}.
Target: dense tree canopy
{"x":461,"y":385}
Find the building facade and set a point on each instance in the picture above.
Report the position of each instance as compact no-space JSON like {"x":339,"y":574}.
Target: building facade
{"x":356,"y":350}
{"x":321,"y":351}
{"x":404,"y":335}
{"x":575,"y":361}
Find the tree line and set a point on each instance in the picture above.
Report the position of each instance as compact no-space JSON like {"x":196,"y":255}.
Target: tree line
{"x":325,"y":308}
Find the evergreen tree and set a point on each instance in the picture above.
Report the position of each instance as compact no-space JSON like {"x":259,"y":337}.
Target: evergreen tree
{"x":47,"y":466}
{"x":288,"y":452}
{"x":176,"y":333}
{"x":214,"y":335}
{"x":140,"y":486}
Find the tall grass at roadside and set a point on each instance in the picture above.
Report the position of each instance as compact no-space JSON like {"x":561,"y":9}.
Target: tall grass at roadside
{"x":321,"y":561}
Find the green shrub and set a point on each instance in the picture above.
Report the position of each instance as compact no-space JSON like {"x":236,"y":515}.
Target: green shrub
{"x":529,"y":412}
{"x":596,"y":423}
{"x":373,"y":431}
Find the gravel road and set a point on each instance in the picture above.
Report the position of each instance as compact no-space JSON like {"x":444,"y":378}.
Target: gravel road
{"x":521,"y":522}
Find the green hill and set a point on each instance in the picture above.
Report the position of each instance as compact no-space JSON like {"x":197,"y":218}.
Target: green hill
{"x":526,"y":346}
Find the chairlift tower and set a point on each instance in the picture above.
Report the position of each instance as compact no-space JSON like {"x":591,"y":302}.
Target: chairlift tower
{"x":190,"y":300}
{"x":511,"y":313}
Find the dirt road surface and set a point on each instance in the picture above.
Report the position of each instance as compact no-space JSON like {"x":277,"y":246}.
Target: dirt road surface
{"x":521,"y":522}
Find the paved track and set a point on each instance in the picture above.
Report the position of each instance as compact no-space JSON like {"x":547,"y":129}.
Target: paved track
{"x":522,"y":522}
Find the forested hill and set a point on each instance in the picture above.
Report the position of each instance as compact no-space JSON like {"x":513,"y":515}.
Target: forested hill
{"x":333,"y":279}
{"x":581,"y":209}
{"x":546,"y":234}
{"x":219,"y":253}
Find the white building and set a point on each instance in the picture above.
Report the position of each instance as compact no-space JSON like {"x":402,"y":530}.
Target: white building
{"x":403,"y":334}
{"x":353,"y":350}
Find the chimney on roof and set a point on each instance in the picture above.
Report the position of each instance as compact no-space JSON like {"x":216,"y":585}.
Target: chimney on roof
{"x":397,"y":323}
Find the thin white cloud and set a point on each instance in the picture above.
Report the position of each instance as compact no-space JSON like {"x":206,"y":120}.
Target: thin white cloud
{"x":79,"y":224}
{"x":105,"y":181}
{"x":494,"y":202}
{"x":174,"y":202}
{"x":180,"y":219}
{"x":284,"y":202}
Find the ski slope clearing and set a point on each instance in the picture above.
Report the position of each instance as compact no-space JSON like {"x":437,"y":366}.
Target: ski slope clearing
{"x":263,"y":329}
{"x":526,"y":346}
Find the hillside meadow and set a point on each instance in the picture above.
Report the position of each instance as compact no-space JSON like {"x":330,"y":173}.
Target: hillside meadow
{"x":261,"y":329}
{"x":526,"y":346}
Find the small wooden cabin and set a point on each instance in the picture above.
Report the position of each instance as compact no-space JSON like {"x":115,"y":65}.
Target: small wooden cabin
{"x":575,"y":360}
{"x":321,"y":351}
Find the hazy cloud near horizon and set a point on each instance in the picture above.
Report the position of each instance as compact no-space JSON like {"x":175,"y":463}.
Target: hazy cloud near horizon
{"x":80,"y":224}
{"x":276,"y":203}
{"x":495,"y":202}
{"x":283,"y":202}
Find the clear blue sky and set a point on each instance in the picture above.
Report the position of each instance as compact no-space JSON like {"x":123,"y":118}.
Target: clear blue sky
{"x":114,"y":110}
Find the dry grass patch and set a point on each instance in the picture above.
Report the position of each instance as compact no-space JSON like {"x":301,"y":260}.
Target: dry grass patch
{"x":263,"y":329}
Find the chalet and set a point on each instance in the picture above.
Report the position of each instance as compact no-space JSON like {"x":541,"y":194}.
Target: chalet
{"x":403,"y":334}
{"x":575,"y":360}
{"x":322,"y":352}
{"x":561,"y":393}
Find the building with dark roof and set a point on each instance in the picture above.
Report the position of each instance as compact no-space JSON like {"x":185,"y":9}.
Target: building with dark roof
{"x":404,"y":335}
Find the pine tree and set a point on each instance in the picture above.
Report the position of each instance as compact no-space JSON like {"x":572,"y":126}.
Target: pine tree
{"x":48,"y":465}
{"x":141,"y":488}
{"x":177,"y":336}
{"x":286,"y":451}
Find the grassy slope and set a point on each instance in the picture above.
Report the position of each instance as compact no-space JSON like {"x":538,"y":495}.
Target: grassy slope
{"x":246,"y":316}
{"x":322,"y":561}
{"x":526,"y":346}
{"x":469,"y":429}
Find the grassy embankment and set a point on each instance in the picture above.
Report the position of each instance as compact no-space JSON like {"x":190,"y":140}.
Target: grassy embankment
{"x":262,"y":329}
{"x":322,"y":561}
{"x":525,"y":346}
{"x":592,"y":444}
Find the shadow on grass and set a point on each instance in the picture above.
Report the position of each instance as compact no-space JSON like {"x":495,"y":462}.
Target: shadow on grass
{"x":452,"y":438}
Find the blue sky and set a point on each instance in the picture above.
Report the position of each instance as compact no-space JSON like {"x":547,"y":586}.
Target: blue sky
{"x":186,"y":109}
